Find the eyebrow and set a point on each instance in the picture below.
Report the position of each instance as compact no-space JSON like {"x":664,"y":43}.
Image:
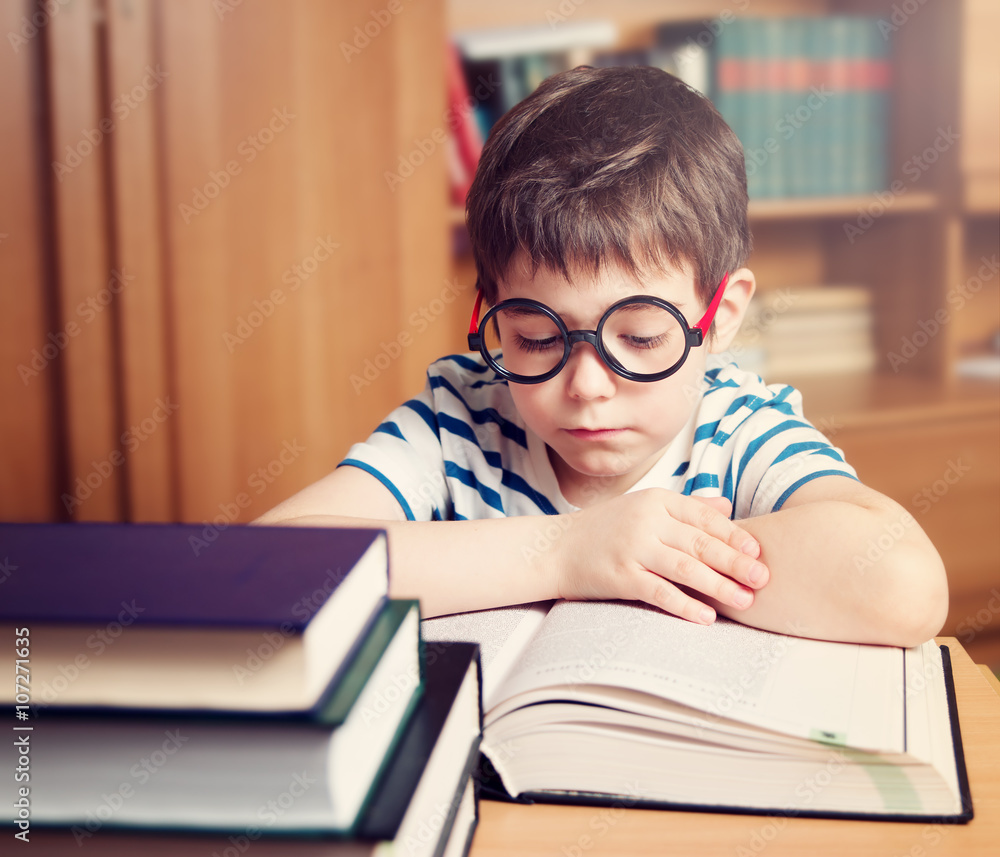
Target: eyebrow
{"x":641,"y":306}
{"x":526,"y":310}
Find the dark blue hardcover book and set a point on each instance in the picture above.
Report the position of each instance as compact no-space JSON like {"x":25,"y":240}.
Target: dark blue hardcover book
{"x":151,"y":616}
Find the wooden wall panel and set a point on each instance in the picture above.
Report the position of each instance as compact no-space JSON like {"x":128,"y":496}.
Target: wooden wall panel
{"x":431,"y":306}
{"x":28,"y":356}
{"x":134,"y":78}
{"x":196,"y":243}
{"x":88,"y":284}
{"x":291,"y":261}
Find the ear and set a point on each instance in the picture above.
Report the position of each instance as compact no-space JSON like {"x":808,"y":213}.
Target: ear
{"x":733,"y":306}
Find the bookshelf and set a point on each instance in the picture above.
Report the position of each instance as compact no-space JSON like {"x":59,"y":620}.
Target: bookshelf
{"x":927,"y":256}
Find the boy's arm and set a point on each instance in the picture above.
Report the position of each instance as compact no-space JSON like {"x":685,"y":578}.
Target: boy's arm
{"x":457,"y":566}
{"x":846,"y":563}
{"x":825,"y":567}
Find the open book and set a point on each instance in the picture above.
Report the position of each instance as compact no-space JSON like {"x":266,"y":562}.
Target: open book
{"x":613,"y":702}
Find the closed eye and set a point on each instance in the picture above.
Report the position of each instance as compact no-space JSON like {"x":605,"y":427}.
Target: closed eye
{"x":644,"y":343}
{"x":536,"y":345}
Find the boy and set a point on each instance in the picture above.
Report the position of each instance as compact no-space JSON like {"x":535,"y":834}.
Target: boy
{"x":596,"y":446}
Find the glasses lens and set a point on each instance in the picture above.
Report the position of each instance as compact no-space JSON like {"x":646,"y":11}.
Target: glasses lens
{"x":524,"y":340}
{"x":644,"y":338}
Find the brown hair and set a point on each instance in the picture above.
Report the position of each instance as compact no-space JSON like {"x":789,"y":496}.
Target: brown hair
{"x":624,"y":165}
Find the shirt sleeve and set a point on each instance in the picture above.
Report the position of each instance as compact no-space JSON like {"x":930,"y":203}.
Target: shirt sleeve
{"x":404,"y":453}
{"x":776,"y":451}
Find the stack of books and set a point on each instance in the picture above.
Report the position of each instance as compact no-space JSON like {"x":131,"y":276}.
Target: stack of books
{"x":807,"y":331}
{"x":262,"y":689}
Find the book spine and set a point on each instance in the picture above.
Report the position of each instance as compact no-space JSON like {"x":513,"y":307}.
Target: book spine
{"x":774,"y":63}
{"x":875,"y":86}
{"x":754,"y":108}
{"x":729,"y":77}
{"x":794,"y":132}
{"x":842,"y":165}
{"x":466,"y":137}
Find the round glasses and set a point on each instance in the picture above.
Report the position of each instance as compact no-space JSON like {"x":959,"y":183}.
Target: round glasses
{"x":641,"y":338}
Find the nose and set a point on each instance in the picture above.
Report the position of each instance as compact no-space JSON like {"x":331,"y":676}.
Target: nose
{"x":586,"y":375}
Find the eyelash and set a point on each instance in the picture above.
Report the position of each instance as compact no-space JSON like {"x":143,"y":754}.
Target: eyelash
{"x":644,"y":343}
{"x":535,"y":345}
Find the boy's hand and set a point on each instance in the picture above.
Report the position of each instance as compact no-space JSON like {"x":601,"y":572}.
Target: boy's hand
{"x":657,"y":546}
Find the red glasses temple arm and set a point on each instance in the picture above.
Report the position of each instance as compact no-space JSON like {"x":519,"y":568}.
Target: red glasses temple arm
{"x":474,"y":321}
{"x":706,"y":319}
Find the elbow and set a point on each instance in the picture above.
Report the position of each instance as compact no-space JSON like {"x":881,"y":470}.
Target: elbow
{"x":918,"y":607}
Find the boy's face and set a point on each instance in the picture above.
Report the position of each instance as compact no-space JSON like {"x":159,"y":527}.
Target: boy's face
{"x":603,"y":431}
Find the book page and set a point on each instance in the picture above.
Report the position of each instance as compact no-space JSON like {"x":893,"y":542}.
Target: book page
{"x":502,"y":633}
{"x":801,"y":687}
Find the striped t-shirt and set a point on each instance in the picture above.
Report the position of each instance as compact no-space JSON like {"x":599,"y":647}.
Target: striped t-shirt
{"x":460,"y":450}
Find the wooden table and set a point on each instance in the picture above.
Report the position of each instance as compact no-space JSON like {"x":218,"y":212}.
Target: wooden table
{"x":581,"y":831}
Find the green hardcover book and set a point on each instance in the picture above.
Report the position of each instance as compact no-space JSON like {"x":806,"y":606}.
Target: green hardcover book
{"x":731,"y":82}
{"x":425,"y":803}
{"x":839,"y":125}
{"x":755,"y":110}
{"x":793,"y":128}
{"x":773,"y":104}
{"x":234,"y":773}
{"x":874,"y":84}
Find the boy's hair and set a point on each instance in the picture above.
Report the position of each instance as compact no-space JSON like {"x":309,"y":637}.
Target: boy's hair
{"x":626,"y":166}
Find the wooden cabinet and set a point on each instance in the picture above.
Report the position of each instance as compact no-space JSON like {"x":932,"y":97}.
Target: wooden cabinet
{"x":210,"y":289}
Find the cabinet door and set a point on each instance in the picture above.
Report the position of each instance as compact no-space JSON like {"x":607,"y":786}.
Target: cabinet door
{"x":30,"y":344}
{"x":252,"y":212}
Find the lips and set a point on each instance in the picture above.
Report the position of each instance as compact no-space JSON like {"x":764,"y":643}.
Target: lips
{"x":595,"y":434}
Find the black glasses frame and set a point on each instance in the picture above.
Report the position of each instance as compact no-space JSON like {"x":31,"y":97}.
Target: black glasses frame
{"x":694,"y":336}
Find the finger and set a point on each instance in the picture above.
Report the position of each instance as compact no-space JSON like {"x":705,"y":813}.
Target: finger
{"x":720,"y":504}
{"x":728,"y":548}
{"x":684,"y":569}
{"x":721,"y":557}
{"x":661,"y":593}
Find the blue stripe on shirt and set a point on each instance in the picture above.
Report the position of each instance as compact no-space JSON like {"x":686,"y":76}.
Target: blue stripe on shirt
{"x":703,"y":432}
{"x":509,"y":430}
{"x":755,"y":445}
{"x":361,"y":465}
{"x":811,"y":447}
{"x":518,"y":483}
{"x":807,"y":478}
{"x":490,"y":497}
{"x":390,"y":428}
{"x":426,"y":414}
{"x":701,"y":480}
{"x":467,"y":362}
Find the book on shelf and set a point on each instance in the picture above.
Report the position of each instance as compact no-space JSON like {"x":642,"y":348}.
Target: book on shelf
{"x":151,"y":616}
{"x":504,"y":65}
{"x":466,"y":141}
{"x":809,"y":99}
{"x":685,"y":51}
{"x":620,"y":703}
{"x":811,"y":330}
{"x":424,"y":804}
{"x":233,"y":771}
